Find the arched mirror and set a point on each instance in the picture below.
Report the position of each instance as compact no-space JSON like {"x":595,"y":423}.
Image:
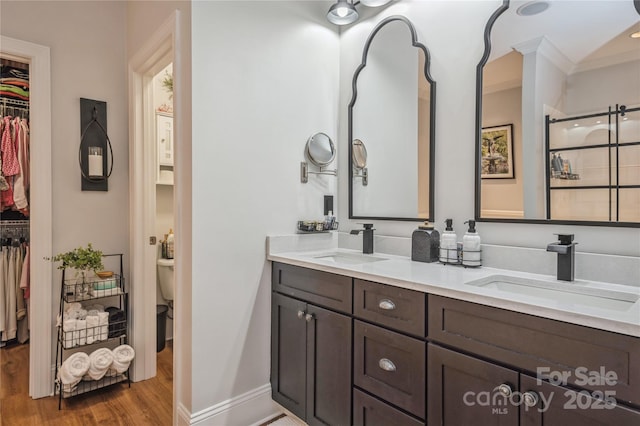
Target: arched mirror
{"x":558,"y":114}
{"x":392,"y":112}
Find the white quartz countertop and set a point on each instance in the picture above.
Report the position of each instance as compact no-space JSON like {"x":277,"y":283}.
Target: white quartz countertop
{"x":450,"y":281}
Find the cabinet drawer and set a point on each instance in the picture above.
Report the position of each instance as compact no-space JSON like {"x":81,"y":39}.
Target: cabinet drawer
{"x":369,"y":411}
{"x":394,"y":307}
{"x":390,"y":366}
{"x":540,"y":345}
{"x":321,"y":288}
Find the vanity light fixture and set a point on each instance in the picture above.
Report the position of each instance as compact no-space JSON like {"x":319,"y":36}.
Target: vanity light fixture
{"x":532,"y":8}
{"x":343,"y":12}
{"x":374,"y":3}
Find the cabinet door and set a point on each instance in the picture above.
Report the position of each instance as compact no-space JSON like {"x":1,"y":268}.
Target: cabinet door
{"x":288,"y":353}
{"x":462,"y":390}
{"x":391,"y":366}
{"x":369,"y":411}
{"x":559,"y":406}
{"x":328,"y":367}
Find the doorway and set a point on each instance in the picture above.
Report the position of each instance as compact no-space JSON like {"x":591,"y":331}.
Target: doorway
{"x":40,"y":220}
{"x":145,"y":174}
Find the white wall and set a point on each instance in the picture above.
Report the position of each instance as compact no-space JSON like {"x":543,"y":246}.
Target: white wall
{"x":589,"y":91}
{"x":266,"y":75}
{"x":89,"y":66}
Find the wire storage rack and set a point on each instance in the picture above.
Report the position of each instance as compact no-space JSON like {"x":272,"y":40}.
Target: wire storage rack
{"x":89,"y":294}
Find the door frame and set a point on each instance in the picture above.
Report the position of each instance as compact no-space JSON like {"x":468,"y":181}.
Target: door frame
{"x":40,"y":227}
{"x":159,"y":49}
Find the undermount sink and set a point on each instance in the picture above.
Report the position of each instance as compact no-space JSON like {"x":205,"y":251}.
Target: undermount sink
{"x":349,"y":258}
{"x":575,"y":293}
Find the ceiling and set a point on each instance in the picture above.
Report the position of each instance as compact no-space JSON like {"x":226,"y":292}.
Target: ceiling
{"x":587,"y":30}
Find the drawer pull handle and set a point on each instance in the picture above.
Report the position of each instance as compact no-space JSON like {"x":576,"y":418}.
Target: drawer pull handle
{"x":308,"y":317}
{"x":300,"y":314}
{"x":387,"y":364}
{"x":505,"y":390}
{"x":387,"y":305}
{"x":531,"y":399}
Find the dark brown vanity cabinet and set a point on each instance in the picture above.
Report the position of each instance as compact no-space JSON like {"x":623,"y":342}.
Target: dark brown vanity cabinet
{"x":464,"y":390}
{"x":559,"y":374}
{"x":311,"y":357}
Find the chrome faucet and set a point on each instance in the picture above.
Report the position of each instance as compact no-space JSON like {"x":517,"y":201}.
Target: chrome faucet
{"x":367,"y":237}
{"x":566,"y":256}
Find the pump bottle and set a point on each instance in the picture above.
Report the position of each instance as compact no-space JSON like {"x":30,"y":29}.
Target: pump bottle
{"x":448,"y":245}
{"x":471,"y":246}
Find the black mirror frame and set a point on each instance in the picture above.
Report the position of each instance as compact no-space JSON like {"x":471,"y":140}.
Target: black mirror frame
{"x":432,"y":117}
{"x":478,"y":139}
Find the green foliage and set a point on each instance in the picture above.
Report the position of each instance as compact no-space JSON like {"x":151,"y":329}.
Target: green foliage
{"x":82,"y":259}
{"x":167,"y":83}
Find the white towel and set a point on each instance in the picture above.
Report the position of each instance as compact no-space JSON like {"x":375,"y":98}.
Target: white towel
{"x":68,"y":333}
{"x":72,"y":369}
{"x":76,"y":306}
{"x":93,"y":329}
{"x":101,"y":359}
{"x":81,"y":331}
{"x":104,"y":325}
{"x":122,"y":357}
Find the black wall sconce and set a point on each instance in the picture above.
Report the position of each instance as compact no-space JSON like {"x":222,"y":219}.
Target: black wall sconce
{"x":95,"y":146}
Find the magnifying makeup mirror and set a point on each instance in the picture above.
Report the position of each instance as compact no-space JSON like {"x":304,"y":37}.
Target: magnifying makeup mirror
{"x":320,"y":151}
{"x":359,"y":160}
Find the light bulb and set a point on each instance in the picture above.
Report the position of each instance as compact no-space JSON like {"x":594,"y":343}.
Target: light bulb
{"x":342,"y":11}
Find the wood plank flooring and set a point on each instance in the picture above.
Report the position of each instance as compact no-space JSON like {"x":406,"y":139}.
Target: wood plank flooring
{"x":146,"y":403}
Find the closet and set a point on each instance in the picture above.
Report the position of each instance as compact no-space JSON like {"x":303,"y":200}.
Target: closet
{"x":14,"y":202}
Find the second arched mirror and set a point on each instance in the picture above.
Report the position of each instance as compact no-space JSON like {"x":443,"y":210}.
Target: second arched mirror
{"x":392,"y":111}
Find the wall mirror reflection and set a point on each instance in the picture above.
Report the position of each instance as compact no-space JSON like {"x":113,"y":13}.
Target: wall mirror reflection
{"x":392,"y":112}
{"x":563,"y":76}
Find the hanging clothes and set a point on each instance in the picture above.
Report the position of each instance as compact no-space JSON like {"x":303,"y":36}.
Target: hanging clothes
{"x":14,"y":323}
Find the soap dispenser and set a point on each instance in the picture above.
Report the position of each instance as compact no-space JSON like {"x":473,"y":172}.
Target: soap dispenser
{"x":424,"y":243}
{"x":448,"y":244}
{"x":471,"y":246}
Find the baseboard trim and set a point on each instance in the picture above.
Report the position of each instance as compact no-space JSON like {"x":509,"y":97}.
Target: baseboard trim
{"x":243,"y":409}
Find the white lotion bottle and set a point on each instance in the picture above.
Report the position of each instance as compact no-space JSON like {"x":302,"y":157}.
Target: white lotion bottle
{"x":471,"y":246}
{"x":448,"y":244}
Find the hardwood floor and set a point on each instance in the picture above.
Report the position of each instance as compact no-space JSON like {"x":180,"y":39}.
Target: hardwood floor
{"x":146,"y":403}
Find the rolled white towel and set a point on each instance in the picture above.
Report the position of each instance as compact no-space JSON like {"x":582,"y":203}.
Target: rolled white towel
{"x":122,"y":357}
{"x":69,"y":328}
{"x":81,"y":331}
{"x":93,"y":329}
{"x":82,"y":314}
{"x":75,"y":306}
{"x":104,"y":325}
{"x":72,"y":369}
{"x":101,"y":359}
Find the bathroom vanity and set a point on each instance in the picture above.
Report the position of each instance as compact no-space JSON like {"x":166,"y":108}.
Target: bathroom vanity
{"x":380,"y":340}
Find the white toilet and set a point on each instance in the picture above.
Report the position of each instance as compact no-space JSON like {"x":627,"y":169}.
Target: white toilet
{"x":165,"y":277}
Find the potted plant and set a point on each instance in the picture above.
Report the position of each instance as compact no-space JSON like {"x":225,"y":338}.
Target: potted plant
{"x":82,"y":259}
